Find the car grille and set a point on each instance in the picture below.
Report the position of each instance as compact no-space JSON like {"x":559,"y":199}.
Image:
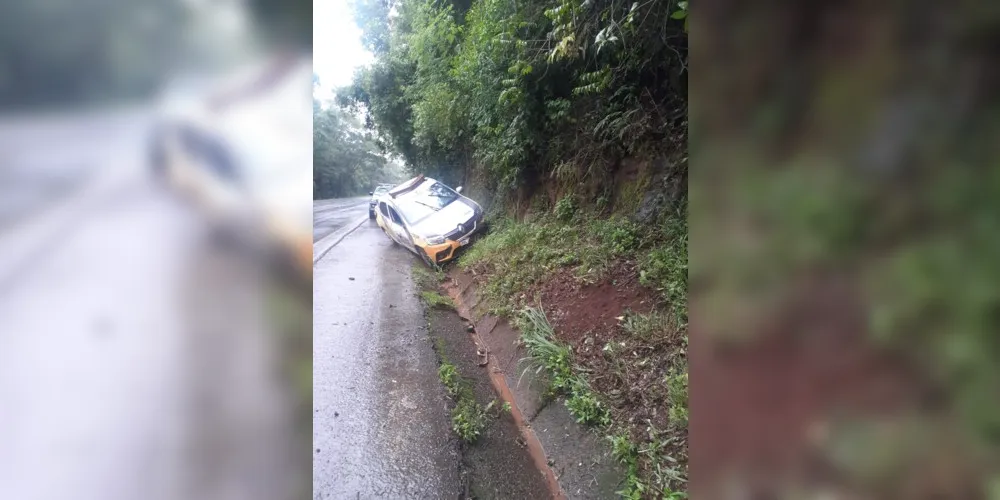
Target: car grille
{"x":470,"y":227}
{"x":443,"y":254}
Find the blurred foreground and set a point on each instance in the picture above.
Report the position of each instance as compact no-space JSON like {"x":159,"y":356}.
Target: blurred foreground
{"x":845,"y":234}
{"x":143,"y":353}
{"x":136,"y":358}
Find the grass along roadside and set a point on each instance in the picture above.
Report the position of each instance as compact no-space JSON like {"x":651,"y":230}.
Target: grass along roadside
{"x":654,"y":468}
{"x":435,"y":299}
{"x":627,"y":380}
{"x":516,"y":256}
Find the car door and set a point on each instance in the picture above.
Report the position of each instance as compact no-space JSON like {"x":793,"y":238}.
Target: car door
{"x":382,"y":218}
{"x":399,"y":231}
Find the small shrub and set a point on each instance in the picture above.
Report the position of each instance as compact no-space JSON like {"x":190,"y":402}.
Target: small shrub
{"x":449,"y":377}
{"x":434,"y":299}
{"x":585,"y":406}
{"x":618,"y":237}
{"x":468,"y":419}
{"x":622,"y":448}
{"x":566,"y":208}
{"x":624,"y":239}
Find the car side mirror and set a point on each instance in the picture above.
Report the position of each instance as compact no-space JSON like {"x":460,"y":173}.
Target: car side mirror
{"x":458,"y":189}
{"x":371,"y":193}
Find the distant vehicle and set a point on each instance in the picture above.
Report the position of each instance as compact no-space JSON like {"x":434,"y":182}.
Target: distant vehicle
{"x":244,"y":155}
{"x":379,"y":191}
{"x":429,"y":218}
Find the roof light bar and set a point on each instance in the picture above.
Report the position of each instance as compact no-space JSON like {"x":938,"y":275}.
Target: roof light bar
{"x":408,"y":186}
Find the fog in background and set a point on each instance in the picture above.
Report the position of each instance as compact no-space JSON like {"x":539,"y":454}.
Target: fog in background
{"x":141,"y":355}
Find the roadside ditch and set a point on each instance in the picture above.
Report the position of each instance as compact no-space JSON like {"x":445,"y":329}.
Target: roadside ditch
{"x":517,"y":439}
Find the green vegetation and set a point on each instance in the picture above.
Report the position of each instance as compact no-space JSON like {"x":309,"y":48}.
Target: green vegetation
{"x":650,"y":470}
{"x":517,"y":255}
{"x":520,"y":99}
{"x":557,"y":359}
{"x":468,"y":418}
{"x":520,"y":90}
{"x":665,"y":266}
{"x":677,"y":390}
{"x":646,"y":326}
{"x":450,"y":378}
{"x":434,"y":299}
{"x":346,"y":159}
{"x":665,"y":471}
{"x":427,"y":279}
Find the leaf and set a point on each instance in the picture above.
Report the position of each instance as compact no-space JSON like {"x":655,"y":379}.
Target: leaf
{"x":680,"y":14}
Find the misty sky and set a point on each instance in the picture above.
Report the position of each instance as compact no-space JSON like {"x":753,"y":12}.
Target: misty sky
{"x":337,"y":48}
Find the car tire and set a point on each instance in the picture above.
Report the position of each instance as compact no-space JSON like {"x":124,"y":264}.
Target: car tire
{"x":371,"y":214}
{"x":424,"y":257}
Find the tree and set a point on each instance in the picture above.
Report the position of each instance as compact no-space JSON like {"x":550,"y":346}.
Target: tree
{"x":519,"y":90}
{"x":346,"y":159}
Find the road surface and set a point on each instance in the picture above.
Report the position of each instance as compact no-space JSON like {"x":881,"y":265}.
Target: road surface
{"x":133,"y":363}
{"x":333,"y":215}
{"x":381,"y":424}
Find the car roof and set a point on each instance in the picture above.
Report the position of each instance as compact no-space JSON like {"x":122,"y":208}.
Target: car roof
{"x":409,"y":185}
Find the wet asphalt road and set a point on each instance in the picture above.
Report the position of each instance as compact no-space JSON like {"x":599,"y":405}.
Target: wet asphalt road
{"x":133,"y":363}
{"x":332,"y":215}
{"x":381,"y":425}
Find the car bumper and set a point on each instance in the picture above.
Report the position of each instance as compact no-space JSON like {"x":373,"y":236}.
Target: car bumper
{"x":442,"y":253}
{"x":450,"y":249}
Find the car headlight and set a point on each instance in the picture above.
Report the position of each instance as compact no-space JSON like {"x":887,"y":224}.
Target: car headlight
{"x":434,"y":239}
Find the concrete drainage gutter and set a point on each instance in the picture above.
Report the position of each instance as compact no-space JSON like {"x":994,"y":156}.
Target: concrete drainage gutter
{"x":576,"y":460}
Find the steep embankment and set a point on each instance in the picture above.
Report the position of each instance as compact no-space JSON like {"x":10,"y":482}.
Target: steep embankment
{"x":599,"y":297}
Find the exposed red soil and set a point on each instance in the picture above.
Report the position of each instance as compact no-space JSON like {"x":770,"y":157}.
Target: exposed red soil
{"x":585,"y":316}
{"x":576,"y":309}
{"x":631,"y":377}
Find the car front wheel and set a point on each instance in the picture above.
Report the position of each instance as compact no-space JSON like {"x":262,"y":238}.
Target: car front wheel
{"x":424,"y":257}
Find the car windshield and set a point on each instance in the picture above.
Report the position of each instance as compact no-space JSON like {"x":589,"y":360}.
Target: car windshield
{"x":380,"y":190}
{"x":425,"y":200}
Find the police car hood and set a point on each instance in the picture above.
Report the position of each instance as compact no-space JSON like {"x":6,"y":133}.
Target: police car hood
{"x":447,"y":219}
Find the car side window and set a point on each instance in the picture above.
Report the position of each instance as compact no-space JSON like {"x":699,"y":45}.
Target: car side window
{"x":395,"y":216}
{"x":382,"y":208}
